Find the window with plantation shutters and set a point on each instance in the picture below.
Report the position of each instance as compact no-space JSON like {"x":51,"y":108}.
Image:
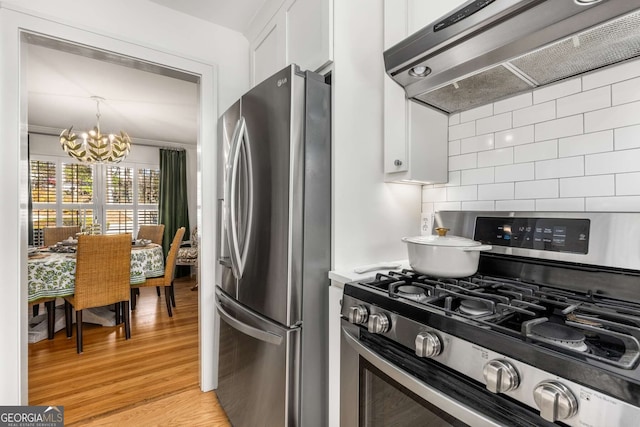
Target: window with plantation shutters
{"x":117,"y":198}
{"x":43,"y":197}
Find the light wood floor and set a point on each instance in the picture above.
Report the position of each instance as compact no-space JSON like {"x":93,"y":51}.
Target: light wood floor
{"x":149,"y":380}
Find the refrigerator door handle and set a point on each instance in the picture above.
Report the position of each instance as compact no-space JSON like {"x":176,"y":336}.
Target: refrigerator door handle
{"x":259,"y":334}
{"x":241,"y":146}
{"x":229,"y":196}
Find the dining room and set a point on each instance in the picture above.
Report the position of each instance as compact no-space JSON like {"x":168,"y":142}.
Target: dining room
{"x":153,"y":186}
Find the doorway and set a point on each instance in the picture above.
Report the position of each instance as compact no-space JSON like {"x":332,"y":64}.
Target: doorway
{"x":15,"y":27}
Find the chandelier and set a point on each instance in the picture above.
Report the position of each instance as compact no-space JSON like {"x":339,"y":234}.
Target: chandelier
{"x":93,"y":146}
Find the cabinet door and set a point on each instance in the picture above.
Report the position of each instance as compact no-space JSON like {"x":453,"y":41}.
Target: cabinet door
{"x":267,"y":52}
{"x":292,"y":32}
{"x":309,"y":33}
{"x":415,"y":136}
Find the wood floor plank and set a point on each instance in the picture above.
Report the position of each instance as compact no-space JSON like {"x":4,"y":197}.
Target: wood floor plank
{"x":129,"y":381}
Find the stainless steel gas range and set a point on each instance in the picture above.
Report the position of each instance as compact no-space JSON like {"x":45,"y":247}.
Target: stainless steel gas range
{"x":546,"y":333}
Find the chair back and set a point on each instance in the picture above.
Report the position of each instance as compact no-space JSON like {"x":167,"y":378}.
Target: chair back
{"x":103,"y":270}
{"x":53,"y":235}
{"x":154,"y":233}
{"x":170,"y":263}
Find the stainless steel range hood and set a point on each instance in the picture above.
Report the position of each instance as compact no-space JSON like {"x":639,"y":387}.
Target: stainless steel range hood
{"x":492,"y":49}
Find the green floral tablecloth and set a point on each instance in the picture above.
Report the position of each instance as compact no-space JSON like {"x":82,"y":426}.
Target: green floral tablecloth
{"x":53,"y":275}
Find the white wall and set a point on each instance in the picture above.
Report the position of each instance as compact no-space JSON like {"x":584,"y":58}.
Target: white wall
{"x":153,"y":25}
{"x":572,"y":146}
{"x":369,"y":216}
{"x":139,"y":29}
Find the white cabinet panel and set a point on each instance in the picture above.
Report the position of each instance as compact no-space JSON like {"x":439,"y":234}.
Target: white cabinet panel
{"x":335,"y":305}
{"x":309,"y":33}
{"x":415,"y":136}
{"x":268,"y":58}
{"x":297,"y":31}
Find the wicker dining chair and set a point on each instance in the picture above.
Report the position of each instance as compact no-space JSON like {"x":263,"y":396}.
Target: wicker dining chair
{"x":154,"y":233}
{"x":103,"y":271}
{"x":167,"y":279}
{"x":53,"y":235}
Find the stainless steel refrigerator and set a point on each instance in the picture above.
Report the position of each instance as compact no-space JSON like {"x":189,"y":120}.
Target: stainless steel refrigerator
{"x":274,"y":206}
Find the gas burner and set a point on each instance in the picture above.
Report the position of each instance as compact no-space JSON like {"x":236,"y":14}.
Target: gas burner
{"x":414,"y":293}
{"x":563,"y":336}
{"x":475,"y":308}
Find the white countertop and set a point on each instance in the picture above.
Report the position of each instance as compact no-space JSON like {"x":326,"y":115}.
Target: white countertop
{"x":340,"y":277}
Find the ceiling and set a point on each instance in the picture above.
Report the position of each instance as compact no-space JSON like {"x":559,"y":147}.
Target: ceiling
{"x":236,"y":14}
{"x":154,"y":106}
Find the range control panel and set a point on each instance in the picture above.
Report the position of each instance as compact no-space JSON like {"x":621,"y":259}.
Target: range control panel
{"x":547,"y":234}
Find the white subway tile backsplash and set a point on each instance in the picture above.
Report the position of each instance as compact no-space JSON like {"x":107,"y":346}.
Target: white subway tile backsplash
{"x":611,"y":118}
{"x":464,"y":161}
{"x":493,"y":123}
{"x":476,"y":113}
{"x":502,"y":156}
{"x":512,"y":173}
{"x":616,"y":162}
{"x":556,"y":91}
{"x":614,"y":204}
{"x":627,"y":91}
{"x":427,"y":207}
{"x":434,"y":194}
{"x":611,"y":75}
{"x":572,"y":146}
{"x":454,"y":179}
{"x":544,"y":189}
{"x":560,"y":168}
{"x":574,"y":205}
{"x":496,"y":191}
{"x":513,"y":103}
{"x":588,"y":186}
{"x":628,"y":184}
{"x":511,"y":137}
{"x":534,"y":114}
{"x":585,"y":101}
{"x":559,"y":128}
{"x":515,"y":205}
{"x":477,"y":176}
{"x":485,"y":205}
{"x":454,"y":147}
{"x":477,"y":143}
{"x":627,"y":137}
{"x":447,"y":206}
{"x":589,"y":143}
{"x":538,"y":151}
{"x":465,"y":192}
{"x":463,"y":130}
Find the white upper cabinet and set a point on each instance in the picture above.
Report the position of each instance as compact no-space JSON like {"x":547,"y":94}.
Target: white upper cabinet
{"x":415,"y":136}
{"x":291,"y":31}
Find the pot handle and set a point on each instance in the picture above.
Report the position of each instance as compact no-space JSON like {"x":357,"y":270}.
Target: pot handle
{"x":477,"y":248}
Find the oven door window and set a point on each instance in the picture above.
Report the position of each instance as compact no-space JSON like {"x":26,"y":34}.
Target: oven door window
{"x":385,"y":403}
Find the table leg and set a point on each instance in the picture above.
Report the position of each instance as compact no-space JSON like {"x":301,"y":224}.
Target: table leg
{"x":51,"y":318}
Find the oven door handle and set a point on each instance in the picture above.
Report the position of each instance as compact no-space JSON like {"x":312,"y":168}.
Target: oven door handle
{"x":435,"y":397}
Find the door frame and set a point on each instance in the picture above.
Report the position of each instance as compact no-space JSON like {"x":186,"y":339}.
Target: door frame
{"x":14,"y":172}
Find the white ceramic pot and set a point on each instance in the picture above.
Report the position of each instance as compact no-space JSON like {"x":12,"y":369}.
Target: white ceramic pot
{"x":444,"y":256}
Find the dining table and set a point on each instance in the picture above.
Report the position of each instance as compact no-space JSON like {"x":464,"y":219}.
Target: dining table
{"x":51,"y":274}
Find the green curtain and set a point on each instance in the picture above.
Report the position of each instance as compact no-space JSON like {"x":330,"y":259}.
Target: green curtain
{"x":173,"y":210}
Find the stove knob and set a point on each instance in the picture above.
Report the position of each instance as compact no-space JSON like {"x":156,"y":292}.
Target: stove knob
{"x":358,"y":314}
{"x":428,"y":345}
{"x":500,"y":376}
{"x":378,"y":323}
{"x":556,"y":401}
